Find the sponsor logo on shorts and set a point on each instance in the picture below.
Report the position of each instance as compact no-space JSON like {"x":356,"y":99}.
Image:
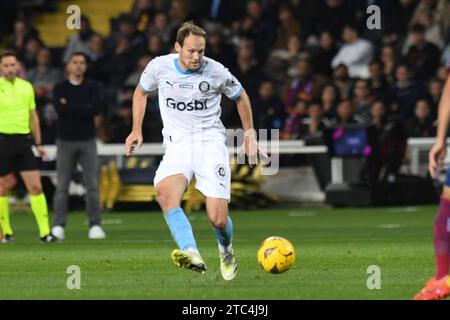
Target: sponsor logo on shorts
{"x":221,"y":172}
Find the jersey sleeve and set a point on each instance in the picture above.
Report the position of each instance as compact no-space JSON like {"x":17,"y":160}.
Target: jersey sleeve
{"x":231,"y":87}
{"x":31,"y":101}
{"x":148,"y":81}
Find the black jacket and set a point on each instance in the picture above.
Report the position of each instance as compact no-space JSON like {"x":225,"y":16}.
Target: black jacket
{"x":77,"y":107}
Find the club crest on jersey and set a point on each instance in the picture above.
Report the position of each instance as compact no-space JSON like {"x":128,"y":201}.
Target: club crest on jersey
{"x":204,"y":86}
{"x":221,"y":172}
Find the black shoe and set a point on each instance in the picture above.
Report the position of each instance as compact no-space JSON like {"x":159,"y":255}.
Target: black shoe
{"x":8,"y":238}
{"x":49,"y":238}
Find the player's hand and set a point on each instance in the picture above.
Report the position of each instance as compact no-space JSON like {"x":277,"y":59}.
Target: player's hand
{"x":252,"y":150}
{"x":436,"y":158}
{"x":133,"y":142}
{"x":42,"y":153}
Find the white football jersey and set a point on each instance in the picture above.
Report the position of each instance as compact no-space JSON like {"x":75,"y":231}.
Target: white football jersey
{"x":189,"y":101}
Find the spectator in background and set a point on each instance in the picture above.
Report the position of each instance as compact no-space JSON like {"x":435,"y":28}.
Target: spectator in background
{"x":261,"y":27}
{"x":44,"y":77}
{"x":305,"y":86}
{"x":398,"y":20}
{"x":433,"y":32}
{"x":423,"y":56}
{"x":371,"y":169}
{"x":421,"y":125}
{"x":29,"y":56}
{"x":311,"y":128}
{"x":388,"y":58}
{"x":143,"y":12}
{"x":218,"y":50}
{"x":294,"y":119}
{"x":77,"y":102}
{"x":306,"y":12}
{"x":120,"y":122}
{"x":248,"y":67}
{"x":126,"y":29}
{"x":405,"y":93}
{"x":96,"y":54}
{"x":332,"y":16}
{"x":118,"y":64}
{"x":160,"y":27}
{"x":282,"y":61}
{"x":433,"y":15}
{"x":95,"y":50}
{"x":241,"y":28}
{"x":342,"y":81}
{"x":311,"y":131}
{"x":22,"y":34}
{"x":345,"y":114}
{"x":324,"y":56}
{"x":179,"y":12}
{"x":356,"y":53}
{"x":268,"y":108}
{"x":329,"y":99}
{"x":216,"y":12}
{"x":442,"y":73}
{"x":435,"y":88}
{"x":79,"y":41}
{"x":377,"y":81}
{"x":387,"y":139}
{"x":126,"y":93}
{"x":154,"y":46}
{"x":133,"y":79}
{"x":378,"y":113}
{"x":286,"y":27}
{"x":362,"y":100}
{"x":152,"y":125}
{"x":219,"y":12}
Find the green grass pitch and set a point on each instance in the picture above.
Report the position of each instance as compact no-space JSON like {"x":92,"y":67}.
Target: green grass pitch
{"x":334,"y":249}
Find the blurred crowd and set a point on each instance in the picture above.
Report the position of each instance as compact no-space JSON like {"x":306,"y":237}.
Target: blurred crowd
{"x":306,"y":64}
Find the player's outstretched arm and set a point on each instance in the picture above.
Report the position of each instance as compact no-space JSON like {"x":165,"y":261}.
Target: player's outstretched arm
{"x":139,"y":104}
{"x":250,"y":143}
{"x":439,"y":151}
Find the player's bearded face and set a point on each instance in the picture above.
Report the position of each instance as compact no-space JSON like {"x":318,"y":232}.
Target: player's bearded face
{"x":192,"y":51}
{"x":9,"y":68}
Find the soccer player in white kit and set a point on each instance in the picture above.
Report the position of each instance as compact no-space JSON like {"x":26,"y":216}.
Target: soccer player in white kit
{"x":190,"y":90}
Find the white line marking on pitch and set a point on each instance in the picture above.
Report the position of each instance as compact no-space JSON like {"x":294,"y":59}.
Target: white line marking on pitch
{"x":301,"y":214}
{"x":389,"y":226}
{"x":407,"y":209}
{"x":107,"y":221}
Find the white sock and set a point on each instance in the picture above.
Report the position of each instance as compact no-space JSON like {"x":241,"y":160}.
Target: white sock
{"x":192,"y":250}
{"x":226,"y":249}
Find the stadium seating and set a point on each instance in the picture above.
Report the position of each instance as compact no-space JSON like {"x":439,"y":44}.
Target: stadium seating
{"x":99,"y":12}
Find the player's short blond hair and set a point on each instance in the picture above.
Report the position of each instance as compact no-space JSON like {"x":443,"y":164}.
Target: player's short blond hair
{"x":188,"y":28}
